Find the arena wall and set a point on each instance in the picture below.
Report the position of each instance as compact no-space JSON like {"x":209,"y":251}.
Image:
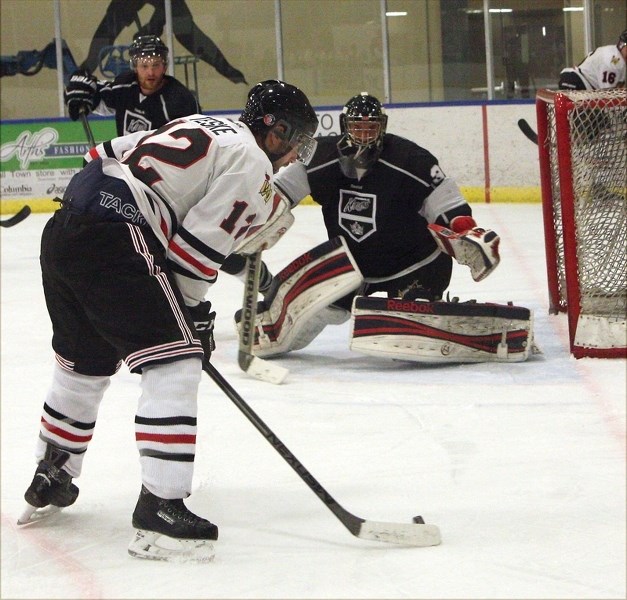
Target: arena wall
{"x":478,"y":144}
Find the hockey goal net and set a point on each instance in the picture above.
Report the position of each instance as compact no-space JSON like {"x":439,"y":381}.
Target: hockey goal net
{"x":582,"y":143}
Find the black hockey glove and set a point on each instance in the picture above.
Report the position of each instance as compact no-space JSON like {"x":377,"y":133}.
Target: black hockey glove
{"x":81,"y":92}
{"x":204,"y":321}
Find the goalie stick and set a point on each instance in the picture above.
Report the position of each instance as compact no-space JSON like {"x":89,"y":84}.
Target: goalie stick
{"x":416,"y":533}
{"x":526,"y":129}
{"x":18,"y":217}
{"x":248,"y":362}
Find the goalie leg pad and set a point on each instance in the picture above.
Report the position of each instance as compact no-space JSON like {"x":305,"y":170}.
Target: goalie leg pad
{"x":439,"y":332}
{"x":308,"y":330}
{"x":298,"y":309}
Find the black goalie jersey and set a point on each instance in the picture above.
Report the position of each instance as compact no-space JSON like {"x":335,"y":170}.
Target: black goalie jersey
{"x":379,"y":215}
{"x":136,"y":112}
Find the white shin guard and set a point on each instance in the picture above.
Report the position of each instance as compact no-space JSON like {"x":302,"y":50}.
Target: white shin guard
{"x":165,"y":426}
{"x":69,"y":415}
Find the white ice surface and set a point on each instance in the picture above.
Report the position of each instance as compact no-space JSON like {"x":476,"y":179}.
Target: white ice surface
{"x":522,"y":466}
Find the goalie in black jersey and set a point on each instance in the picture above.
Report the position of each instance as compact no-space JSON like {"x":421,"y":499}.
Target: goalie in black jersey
{"x":381,"y":192}
{"x":401,"y":221}
{"x":141,"y":99}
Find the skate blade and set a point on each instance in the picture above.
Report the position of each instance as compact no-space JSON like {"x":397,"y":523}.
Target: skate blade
{"x":155,"y":546}
{"x":32,"y":514}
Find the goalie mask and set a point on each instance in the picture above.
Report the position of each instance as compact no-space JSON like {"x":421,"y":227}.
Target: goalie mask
{"x":147,"y":46}
{"x":277,"y":106}
{"x":363,"y":123}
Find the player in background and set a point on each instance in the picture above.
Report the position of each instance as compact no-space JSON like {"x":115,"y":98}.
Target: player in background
{"x":126,"y":264}
{"x":142,"y":99}
{"x":604,"y":68}
{"x":401,"y":217}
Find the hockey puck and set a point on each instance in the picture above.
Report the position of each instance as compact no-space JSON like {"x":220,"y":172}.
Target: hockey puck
{"x":418,"y":520}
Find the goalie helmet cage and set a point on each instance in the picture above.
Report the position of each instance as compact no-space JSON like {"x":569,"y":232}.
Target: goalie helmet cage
{"x":582,"y":145}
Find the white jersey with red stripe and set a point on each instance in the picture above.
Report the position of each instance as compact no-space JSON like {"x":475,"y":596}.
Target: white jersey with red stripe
{"x":201,"y":182}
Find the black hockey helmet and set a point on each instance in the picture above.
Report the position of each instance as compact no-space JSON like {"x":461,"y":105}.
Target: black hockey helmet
{"x":147,"y":46}
{"x":363,"y":124}
{"x":363,"y":120}
{"x":273,"y":102}
{"x":622,"y":40}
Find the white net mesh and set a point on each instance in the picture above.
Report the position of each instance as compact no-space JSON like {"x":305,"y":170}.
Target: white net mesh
{"x":597,"y":123}
{"x":583,"y":163}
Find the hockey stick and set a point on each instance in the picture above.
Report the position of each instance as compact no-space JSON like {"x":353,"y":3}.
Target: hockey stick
{"x":87,"y":127}
{"x":18,"y":217}
{"x":526,"y":129}
{"x":248,"y":362}
{"x":416,"y":533}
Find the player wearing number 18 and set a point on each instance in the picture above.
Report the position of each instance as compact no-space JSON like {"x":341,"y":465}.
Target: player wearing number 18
{"x":126,"y":264}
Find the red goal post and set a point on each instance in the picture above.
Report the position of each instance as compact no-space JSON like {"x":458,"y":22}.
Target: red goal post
{"x":582,"y":144}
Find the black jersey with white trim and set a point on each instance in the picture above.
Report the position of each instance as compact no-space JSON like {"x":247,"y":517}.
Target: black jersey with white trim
{"x":378,"y":215}
{"x":136,"y":112}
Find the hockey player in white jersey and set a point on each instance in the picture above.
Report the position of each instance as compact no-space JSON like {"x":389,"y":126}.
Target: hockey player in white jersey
{"x":126,"y":264}
{"x":604,"y":68}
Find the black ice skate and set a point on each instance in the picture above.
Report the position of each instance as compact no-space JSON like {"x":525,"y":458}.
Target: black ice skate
{"x":51,"y":487}
{"x":167,"y":530}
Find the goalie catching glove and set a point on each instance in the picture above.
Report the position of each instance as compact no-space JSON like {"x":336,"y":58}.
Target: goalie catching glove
{"x":80,"y":93}
{"x":204,"y":321}
{"x":469,"y":245}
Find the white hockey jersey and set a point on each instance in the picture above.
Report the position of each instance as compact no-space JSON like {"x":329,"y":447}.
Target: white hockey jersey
{"x":603,"y":68}
{"x":201,"y":182}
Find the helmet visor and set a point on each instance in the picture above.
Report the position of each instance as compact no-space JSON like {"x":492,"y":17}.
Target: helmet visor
{"x":304,"y":144}
{"x":146,"y":61}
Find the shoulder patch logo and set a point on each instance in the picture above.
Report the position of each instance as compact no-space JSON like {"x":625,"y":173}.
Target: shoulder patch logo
{"x":266,"y":190}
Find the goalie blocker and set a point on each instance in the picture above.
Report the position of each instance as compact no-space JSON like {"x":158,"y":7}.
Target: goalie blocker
{"x":296,"y":309}
{"x":436,"y":332}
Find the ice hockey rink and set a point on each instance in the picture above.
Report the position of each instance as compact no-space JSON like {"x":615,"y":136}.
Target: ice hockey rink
{"x":522,"y":466}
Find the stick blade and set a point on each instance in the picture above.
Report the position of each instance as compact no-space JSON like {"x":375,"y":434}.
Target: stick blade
{"x":528,"y":131}
{"x":405,"y":534}
{"x":18,"y":217}
{"x":262,"y":369}
{"x":32,"y":514}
